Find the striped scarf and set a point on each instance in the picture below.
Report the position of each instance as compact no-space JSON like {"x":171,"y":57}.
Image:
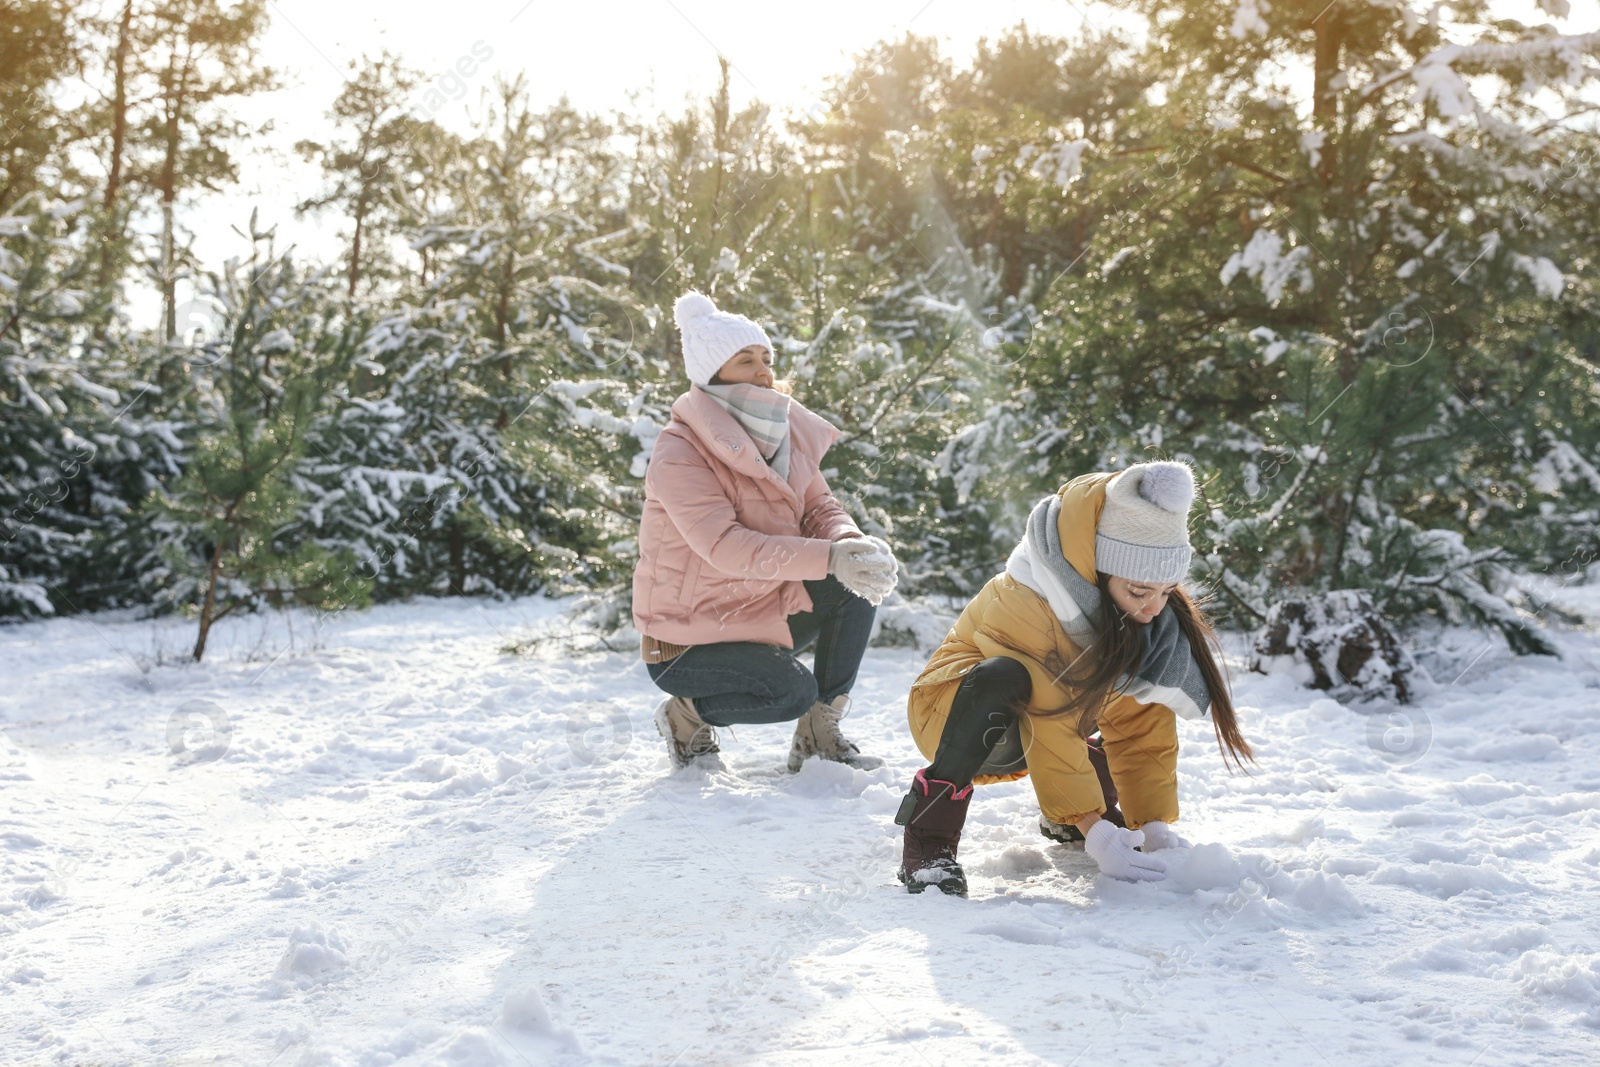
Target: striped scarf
{"x":764,"y":414}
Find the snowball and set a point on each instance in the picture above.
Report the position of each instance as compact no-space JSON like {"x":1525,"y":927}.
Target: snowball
{"x":1206,"y":866}
{"x":315,"y":955}
{"x":1017,"y":861}
{"x":524,"y":1009}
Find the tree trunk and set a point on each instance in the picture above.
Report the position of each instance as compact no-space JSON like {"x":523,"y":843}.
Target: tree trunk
{"x":355,"y":245}
{"x":719,"y":144}
{"x":1349,"y":513}
{"x":169,"y":184}
{"x":502,"y":313}
{"x":1325,"y":99}
{"x":502,"y":308}
{"x":458,"y":563}
{"x":119,"y":113}
{"x":208,"y":607}
{"x":178,"y":94}
{"x":169,"y":287}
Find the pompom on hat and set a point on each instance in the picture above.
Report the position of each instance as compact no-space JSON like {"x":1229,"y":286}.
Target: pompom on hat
{"x":712,"y":337}
{"x":1143,"y":534}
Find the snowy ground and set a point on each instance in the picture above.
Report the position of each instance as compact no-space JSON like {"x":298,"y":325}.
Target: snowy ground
{"x":408,"y":847}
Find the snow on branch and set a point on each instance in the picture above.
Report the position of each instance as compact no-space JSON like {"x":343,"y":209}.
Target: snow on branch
{"x":1437,"y":82}
{"x":1563,"y":465}
{"x":1565,"y":54}
{"x":1059,"y":164}
{"x":1530,"y":64}
{"x":1547,"y":278}
{"x":1247,"y":18}
{"x":1264,"y":260}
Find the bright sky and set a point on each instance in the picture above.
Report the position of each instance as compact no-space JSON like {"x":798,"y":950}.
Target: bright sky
{"x":599,"y":53}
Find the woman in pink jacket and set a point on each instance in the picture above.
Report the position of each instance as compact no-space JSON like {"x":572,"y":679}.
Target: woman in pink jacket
{"x":746,"y":558}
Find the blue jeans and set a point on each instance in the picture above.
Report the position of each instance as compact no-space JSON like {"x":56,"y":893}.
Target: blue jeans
{"x":735,"y":682}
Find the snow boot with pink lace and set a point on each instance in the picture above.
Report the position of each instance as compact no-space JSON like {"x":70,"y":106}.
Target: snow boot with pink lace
{"x":933,"y":814}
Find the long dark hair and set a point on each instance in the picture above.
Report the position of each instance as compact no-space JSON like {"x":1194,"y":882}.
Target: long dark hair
{"x":1208,"y":654}
{"x":1118,"y":648}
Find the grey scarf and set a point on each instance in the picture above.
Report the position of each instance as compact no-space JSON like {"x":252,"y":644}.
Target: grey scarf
{"x":764,"y":414}
{"x":1167,"y":674}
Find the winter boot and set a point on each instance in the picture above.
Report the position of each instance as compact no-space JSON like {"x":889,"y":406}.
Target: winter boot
{"x":933,"y":814}
{"x":817,"y":734}
{"x":1066,"y":833}
{"x":688,"y":738}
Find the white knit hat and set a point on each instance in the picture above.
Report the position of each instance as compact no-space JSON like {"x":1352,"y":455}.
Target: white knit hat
{"x":1143,"y":534}
{"x":712,"y":337}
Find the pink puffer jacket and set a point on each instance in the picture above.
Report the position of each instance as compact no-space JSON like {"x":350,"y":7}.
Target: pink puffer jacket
{"x":724,"y":542}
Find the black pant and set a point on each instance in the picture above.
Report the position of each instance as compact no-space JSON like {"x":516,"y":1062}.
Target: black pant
{"x":982,"y":730}
{"x":748,"y":682}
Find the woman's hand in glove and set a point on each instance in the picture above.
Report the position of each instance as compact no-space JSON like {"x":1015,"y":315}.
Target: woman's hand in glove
{"x":882,"y":546}
{"x":888,"y":558}
{"x":1113,"y":849}
{"x":1158,"y":835}
{"x":863,"y":568}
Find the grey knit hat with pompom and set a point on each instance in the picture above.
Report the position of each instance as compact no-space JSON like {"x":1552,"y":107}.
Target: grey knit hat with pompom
{"x":1143,"y":534}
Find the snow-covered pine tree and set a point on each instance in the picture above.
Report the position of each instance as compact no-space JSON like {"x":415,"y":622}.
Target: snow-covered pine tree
{"x":434,"y":408}
{"x":232,"y":534}
{"x":360,"y":495}
{"x":547,"y":252}
{"x":519,"y":288}
{"x":48,"y":402}
{"x":1339,"y":304}
{"x":864,"y":327}
{"x":988,"y":159}
{"x":951,"y":184}
{"x":83,"y":437}
{"x":372,"y":167}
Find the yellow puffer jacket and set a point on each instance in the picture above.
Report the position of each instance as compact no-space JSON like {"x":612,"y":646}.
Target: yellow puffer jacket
{"x":1007,"y":618}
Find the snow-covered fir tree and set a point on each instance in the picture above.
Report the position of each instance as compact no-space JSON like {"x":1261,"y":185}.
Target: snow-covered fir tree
{"x":234,"y":531}
{"x":1346,"y":307}
{"x":87,"y":430}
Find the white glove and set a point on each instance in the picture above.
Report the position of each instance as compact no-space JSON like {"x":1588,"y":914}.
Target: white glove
{"x":863,"y":568}
{"x":881,"y":545}
{"x":1113,"y":849}
{"x":1158,"y":835}
{"x":888,"y":557}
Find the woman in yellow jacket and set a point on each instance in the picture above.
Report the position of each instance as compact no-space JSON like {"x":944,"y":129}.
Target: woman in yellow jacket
{"x":1088,"y":629}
